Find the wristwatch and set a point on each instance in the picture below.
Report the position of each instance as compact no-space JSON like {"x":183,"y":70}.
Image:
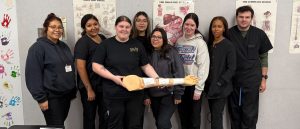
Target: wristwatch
{"x":264,"y":76}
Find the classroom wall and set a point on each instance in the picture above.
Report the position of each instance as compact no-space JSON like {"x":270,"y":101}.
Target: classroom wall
{"x":279,"y":105}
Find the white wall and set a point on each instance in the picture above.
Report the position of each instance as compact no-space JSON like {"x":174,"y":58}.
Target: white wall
{"x":279,"y":105}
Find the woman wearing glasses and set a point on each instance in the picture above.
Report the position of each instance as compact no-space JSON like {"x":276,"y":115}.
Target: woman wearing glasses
{"x":166,"y":61}
{"x":50,"y":74}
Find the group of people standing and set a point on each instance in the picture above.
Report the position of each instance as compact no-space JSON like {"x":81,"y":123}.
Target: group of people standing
{"x":231,"y":65}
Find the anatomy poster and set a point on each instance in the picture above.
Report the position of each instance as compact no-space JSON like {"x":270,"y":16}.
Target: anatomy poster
{"x":11,"y":108}
{"x":264,"y":15}
{"x":295,"y":28}
{"x":169,"y":14}
{"x":104,"y":10}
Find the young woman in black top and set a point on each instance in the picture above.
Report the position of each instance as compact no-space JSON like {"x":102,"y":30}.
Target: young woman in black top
{"x":222,"y":67}
{"x":141,"y":29}
{"x":50,"y":73}
{"x":89,"y":83}
{"x":117,"y":57}
{"x":167,"y":62}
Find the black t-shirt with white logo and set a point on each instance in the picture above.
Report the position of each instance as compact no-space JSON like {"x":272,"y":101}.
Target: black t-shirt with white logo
{"x":120,"y":58}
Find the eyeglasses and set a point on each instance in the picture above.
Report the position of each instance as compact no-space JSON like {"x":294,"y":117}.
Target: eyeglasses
{"x":156,"y":37}
{"x":56,"y":27}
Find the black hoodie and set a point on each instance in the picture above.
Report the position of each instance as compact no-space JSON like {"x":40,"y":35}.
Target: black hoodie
{"x":45,"y":71}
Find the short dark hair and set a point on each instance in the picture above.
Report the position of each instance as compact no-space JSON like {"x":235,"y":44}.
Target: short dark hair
{"x":51,"y":17}
{"x":245,"y":8}
{"x":84,"y":20}
{"x":122,"y":18}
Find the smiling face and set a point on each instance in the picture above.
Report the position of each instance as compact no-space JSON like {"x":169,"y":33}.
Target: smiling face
{"x":92,"y":27}
{"x":189,"y":27}
{"x":243,"y":20}
{"x":123,"y":29}
{"x":157,"y":40}
{"x":217,"y":28}
{"x":141,"y":23}
{"x":54,"y":31}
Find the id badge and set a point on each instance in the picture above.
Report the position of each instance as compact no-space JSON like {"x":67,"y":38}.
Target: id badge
{"x":68,"y":68}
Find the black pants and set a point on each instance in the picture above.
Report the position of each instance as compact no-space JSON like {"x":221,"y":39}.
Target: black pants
{"x":216,"y":107}
{"x":190,"y":110}
{"x":163,"y":109}
{"x":90,"y":109}
{"x":125,"y":113}
{"x":243,"y":107}
{"x":58,"y":109}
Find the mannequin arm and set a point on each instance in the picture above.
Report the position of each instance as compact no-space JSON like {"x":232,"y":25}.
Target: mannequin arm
{"x":133,"y":82}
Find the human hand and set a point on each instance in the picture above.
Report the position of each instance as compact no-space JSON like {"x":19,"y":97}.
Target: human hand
{"x":196,"y":96}
{"x":44,"y":105}
{"x":118,"y":80}
{"x":90,"y":94}
{"x":263,"y":86}
{"x":147,"y":102}
{"x":177,"y":101}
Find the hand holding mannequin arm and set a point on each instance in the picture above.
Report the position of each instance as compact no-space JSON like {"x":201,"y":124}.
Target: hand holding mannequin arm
{"x":103,"y":72}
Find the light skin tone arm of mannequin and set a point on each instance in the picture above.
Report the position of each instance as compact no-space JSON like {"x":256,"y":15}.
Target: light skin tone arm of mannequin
{"x":103,"y":72}
{"x":263,"y":84}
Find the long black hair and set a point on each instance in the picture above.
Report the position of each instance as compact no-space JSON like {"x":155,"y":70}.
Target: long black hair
{"x":84,"y":20}
{"x":165,"y":47}
{"x":210,"y":34}
{"x":134,"y":31}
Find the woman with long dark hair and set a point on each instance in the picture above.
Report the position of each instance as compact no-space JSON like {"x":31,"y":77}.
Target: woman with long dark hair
{"x":89,"y":83}
{"x":166,"y":61}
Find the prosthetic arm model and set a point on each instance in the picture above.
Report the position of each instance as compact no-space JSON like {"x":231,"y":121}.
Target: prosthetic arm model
{"x":133,"y":82}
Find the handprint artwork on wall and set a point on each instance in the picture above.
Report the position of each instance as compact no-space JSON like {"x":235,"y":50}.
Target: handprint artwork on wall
{"x":15,"y":71}
{"x":5,"y":38}
{"x":7,"y":86}
{"x":2,"y":71}
{"x":6,"y":57}
{"x":14,"y":101}
{"x":6,"y":21}
{"x":3,"y":102}
{"x":8,"y":120}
